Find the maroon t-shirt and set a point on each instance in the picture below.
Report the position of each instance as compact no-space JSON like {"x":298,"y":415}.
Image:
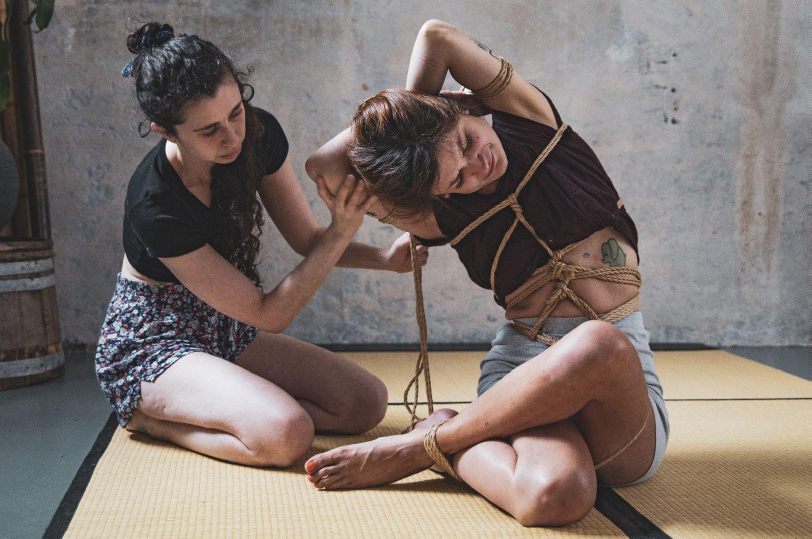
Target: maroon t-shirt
{"x":569,"y":197}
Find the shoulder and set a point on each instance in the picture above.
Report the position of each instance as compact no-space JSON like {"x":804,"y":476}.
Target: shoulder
{"x":164,"y":225}
{"x":524,"y":118}
{"x":272,"y":145}
{"x":148,"y":181}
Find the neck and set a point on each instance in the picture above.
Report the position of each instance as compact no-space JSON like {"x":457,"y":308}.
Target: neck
{"x":192,"y":172}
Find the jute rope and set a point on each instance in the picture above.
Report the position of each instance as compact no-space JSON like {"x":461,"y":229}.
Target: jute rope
{"x":617,"y":453}
{"x":422,"y":365}
{"x":498,"y":84}
{"x":554,"y":270}
{"x":434,"y":451}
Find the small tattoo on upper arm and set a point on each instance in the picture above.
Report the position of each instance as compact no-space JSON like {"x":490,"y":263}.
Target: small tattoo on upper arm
{"x":586,"y":255}
{"x":372,"y":214}
{"x":613,"y":254}
{"x":484,"y":48}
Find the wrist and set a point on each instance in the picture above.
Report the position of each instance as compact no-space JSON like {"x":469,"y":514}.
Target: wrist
{"x":383,"y":259}
{"x":339,"y":234}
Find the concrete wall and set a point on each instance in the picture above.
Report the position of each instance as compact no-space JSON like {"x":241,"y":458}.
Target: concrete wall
{"x":698,"y":109}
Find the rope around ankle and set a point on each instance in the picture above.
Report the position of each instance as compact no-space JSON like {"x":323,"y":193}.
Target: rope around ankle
{"x":434,"y":451}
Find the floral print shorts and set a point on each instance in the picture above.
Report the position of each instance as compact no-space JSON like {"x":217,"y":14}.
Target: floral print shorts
{"x":148,"y":328}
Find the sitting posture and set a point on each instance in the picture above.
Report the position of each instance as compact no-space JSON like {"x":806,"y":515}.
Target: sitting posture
{"x":568,"y":396}
{"x":190,"y":350}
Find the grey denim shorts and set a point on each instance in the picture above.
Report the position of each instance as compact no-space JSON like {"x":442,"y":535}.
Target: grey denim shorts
{"x":510,"y":349}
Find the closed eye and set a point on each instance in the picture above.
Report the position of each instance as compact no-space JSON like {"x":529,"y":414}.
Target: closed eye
{"x":459,"y":180}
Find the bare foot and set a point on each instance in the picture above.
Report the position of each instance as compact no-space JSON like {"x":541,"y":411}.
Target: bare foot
{"x":370,"y":464}
{"x":439,"y":415}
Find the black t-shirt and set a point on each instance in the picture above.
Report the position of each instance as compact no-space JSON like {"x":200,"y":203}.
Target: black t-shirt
{"x":162,"y":218}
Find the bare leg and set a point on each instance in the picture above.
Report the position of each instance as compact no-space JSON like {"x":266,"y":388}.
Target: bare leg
{"x":211,"y":406}
{"x":592,"y":375}
{"x":338,"y":395}
{"x":543,"y":476}
{"x":263,"y":410}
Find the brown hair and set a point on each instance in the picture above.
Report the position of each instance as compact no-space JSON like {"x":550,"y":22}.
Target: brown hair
{"x":396,"y":135}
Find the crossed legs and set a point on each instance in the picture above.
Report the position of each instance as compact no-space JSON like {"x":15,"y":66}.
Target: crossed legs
{"x":529,"y":443}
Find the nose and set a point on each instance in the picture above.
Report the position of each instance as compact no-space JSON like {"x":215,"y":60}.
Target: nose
{"x":481,"y":162}
{"x":230,"y":136}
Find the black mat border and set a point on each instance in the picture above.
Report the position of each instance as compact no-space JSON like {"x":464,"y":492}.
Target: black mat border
{"x":70,"y":502}
{"x":609,"y":503}
{"x":623,"y":515}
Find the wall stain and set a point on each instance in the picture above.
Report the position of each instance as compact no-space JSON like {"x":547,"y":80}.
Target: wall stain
{"x":766,"y":82}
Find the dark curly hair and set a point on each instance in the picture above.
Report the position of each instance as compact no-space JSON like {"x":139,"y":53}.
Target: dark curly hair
{"x":172,"y":72}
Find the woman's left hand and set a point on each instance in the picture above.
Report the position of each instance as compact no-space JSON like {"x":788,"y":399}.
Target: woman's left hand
{"x":399,"y":259}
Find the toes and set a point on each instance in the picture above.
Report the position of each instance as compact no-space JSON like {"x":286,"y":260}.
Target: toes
{"x":321,"y":460}
{"x":322,"y":472}
{"x":341,"y":482}
{"x":328,"y":480}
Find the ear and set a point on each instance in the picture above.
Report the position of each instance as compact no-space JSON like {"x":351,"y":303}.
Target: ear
{"x":163,"y":132}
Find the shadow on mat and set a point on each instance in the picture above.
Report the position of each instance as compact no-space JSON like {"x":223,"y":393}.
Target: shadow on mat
{"x":763,"y":493}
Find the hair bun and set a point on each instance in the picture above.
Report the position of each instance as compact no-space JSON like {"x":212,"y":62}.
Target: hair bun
{"x":152,"y":34}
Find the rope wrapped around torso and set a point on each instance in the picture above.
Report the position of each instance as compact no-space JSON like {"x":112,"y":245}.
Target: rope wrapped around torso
{"x":555,"y":270}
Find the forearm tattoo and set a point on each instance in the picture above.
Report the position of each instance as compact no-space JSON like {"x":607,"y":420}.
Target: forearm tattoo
{"x":613,"y":254}
{"x":485,"y":48}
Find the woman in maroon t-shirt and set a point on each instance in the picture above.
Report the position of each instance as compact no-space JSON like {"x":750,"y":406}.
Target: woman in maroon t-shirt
{"x":550,"y":422}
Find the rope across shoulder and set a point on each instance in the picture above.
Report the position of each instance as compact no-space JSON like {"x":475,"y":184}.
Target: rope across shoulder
{"x":555,"y":270}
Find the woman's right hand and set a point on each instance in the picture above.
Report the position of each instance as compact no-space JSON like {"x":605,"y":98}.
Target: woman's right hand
{"x":348,"y":206}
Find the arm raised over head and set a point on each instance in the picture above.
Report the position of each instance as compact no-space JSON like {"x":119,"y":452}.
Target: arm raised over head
{"x":441,"y":48}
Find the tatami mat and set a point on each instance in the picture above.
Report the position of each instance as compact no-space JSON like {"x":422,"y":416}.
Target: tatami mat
{"x":733,"y":469}
{"x":696,"y":374}
{"x":145,"y":488}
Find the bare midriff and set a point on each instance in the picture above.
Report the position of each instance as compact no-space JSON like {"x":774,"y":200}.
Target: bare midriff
{"x":602,"y":296}
{"x":129,"y":272}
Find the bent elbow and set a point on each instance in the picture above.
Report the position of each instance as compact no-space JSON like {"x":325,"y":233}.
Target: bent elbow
{"x":268,"y":317}
{"x":435,"y":30}
{"x":311,"y":166}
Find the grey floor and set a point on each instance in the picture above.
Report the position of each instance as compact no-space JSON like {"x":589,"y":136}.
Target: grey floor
{"x":47,"y":430}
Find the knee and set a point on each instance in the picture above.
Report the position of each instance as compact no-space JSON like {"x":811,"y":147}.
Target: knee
{"x":279,"y":440}
{"x":601,"y":343}
{"x":365,"y":407}
{"x":555,"y":501}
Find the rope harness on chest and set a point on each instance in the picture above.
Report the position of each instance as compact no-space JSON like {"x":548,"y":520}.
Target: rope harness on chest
{"x":555,"y":270}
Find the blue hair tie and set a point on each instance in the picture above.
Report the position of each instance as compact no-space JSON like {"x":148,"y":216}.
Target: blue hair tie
{"x":147,"y":42}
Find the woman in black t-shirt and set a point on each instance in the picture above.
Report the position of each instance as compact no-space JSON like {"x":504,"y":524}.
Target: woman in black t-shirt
{"x":189,"y":288}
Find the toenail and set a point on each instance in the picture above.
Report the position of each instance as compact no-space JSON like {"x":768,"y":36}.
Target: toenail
{"x":310,"y":466}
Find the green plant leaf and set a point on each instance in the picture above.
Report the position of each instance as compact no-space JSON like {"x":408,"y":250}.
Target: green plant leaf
{"x":45,"y":10}
{"x":5,"y":90}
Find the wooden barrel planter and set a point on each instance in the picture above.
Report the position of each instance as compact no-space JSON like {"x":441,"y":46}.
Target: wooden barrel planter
{"x":30,"y":336}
